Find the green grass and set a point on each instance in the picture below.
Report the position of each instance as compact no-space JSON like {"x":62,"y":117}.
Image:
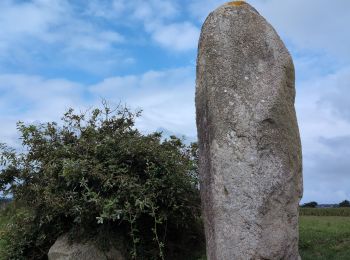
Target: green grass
{"x":344,"y":212}
{"x":324,"y":238}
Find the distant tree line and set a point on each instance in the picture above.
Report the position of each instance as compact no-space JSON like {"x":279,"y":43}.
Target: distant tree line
{"x":344,"y":204}
{"x":314,"y":204}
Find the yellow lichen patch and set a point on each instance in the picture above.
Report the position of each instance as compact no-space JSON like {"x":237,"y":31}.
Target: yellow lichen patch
{"x":236,"y":3}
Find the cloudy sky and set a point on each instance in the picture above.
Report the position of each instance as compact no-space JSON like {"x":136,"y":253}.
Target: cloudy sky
{"x":56,"y":54}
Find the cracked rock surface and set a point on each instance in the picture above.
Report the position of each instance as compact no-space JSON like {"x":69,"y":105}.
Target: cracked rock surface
{"x":249,"y":146}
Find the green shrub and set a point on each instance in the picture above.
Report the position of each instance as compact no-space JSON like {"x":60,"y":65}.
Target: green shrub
{"x":96,"y":176}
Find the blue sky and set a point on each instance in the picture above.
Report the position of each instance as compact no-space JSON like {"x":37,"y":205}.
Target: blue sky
{"x":56,"y":54}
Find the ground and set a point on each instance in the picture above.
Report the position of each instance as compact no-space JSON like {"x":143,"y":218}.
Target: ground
{"x":324,"y":237}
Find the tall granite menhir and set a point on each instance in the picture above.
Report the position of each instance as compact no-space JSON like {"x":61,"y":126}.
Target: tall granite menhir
{"x":249,"y":145}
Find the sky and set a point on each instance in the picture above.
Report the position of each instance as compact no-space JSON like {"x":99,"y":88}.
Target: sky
{"x":57,"y":54}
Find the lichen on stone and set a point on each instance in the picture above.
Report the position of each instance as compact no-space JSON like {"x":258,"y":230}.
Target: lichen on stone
{"x":236,"y":3}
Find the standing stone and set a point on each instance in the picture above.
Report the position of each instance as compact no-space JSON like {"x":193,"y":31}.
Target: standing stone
{"x":249,"y":145}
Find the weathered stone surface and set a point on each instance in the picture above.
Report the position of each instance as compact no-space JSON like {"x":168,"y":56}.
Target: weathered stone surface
{"x":63,"y":250}
{"x":249,"y":144}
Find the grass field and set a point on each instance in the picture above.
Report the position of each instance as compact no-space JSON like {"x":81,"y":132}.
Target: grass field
{"x":340,"y":212}
{"x":322,"y":237}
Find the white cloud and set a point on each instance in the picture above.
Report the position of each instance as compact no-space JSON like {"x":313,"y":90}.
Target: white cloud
{"x":159,"y":18}
{"x":100,"y":42}
{"x":312,"y":25}
{"x":32,"y":98}
{"x":153,"y":9}
{"x":324,"y":124}
{"x":138,"y":10}
{"x":338,"y":95}
{"x":109,"y":9}
{"x":177,"y":36}
{"x":52,"y":32}
{"x":316,"y":25}
{"x":70,"y":30}
{"x":52,"y":22}
{"x":166,"y":97}
{"x":28,"y":18}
